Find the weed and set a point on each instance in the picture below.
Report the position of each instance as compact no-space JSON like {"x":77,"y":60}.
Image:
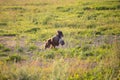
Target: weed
{"x":32,"y":47}
{"x":86,"y":8}
{"x":50,"y":55}
{"x":58,"y":24}
{"x":80,"y":14}
{"x":6,"y":50}
{"x":15,"y":8}
{"x":98,"y":33}
{"x":33,"y":30}
{"x":1,"y":46}
{"x":3,"y":24}
{"x":20,"y":49}
{"x":3,"y":54}
{"x":9,"y":34}
{"x":91,"y":26}
{"x":64,"y":9}
{"x":14,"y":58}
{"x":46,"y":20}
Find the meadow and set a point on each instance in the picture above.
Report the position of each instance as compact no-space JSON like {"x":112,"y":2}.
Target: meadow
{"x":91,"y":31}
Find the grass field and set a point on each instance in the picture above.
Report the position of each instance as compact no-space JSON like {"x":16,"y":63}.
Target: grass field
{"x":91,"y":31}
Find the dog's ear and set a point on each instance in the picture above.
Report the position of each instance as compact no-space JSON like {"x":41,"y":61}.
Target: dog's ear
{"x":60,"y":33}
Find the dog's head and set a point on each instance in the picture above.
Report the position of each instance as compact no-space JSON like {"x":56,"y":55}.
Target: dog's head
{"x":61,"y":41}
{"x":60,"y":33}
{"x":48,"y":43}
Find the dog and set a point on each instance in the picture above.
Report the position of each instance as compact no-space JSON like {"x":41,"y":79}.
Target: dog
{"x":55,"y":40}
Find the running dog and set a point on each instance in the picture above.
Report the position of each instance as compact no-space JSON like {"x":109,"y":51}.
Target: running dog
{"x":55,"y":40}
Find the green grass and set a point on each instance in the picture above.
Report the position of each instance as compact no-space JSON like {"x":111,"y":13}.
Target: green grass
{"x":91,"y":33}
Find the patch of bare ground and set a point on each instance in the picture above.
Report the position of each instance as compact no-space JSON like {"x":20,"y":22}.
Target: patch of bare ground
{"x":11,"y":42}
{"x":8,"y":41}
{"x":99,"y":40}
{"x":40,"y":44}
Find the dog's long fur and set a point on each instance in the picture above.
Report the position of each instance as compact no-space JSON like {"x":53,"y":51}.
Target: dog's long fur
{"x":55,"y":41}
